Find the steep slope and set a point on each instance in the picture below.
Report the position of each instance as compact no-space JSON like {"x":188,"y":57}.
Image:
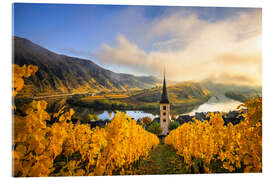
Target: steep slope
{"x":63,"y":74}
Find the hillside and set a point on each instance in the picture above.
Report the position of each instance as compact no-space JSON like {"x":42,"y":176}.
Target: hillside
{"x":221,"y":91}
{"x":63,"y":74}
{"x":183,"y":97}
{"x":178,"y":93}
{"x":242,"y":96}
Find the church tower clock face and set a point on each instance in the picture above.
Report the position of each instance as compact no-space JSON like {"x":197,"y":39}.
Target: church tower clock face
{"x":164,"y":110}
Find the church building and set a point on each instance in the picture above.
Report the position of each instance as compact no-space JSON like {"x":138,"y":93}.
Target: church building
{"x":164,"y":110}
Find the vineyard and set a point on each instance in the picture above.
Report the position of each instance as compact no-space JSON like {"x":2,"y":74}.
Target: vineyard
{"x":51,"y":145}
{"x":64,"y":149}
{"x":232,"y":147}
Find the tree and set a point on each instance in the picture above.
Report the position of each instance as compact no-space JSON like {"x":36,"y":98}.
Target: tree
{"x":173,"y":125}
{"x":147,"y":121}
{"x":155,"y":128}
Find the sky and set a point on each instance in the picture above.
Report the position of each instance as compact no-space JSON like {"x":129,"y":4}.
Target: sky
{"x":192,"y":43}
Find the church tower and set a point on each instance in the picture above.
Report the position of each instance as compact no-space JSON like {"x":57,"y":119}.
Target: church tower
{"x":164,"y":109}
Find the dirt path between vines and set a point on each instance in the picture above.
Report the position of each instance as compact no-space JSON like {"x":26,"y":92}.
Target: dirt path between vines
{"x":161,"y":160}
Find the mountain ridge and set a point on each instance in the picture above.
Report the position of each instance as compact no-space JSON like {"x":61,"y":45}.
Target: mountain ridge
{"x":64,"y":74}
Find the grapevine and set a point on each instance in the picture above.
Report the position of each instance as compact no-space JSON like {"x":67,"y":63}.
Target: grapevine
{"x":235,"y":146}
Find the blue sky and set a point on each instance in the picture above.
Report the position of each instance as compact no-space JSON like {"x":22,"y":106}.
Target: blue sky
{"x":152,"y":35}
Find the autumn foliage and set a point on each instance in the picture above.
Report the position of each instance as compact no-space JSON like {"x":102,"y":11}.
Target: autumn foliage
{"x":20,"y":72}
{"x":238,"y":146}
{"x":102,"y":151}
{"x":51,"y":145}
{"x":39,"y":140}
{"x":147,"y":120}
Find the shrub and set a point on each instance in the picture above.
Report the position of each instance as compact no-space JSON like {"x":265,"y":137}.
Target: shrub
{"x":173,"y":125}
{"x":155,"y":128}
{"x":147,"y":120}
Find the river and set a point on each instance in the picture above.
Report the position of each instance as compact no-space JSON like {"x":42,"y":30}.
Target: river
{"x":213,"y":104}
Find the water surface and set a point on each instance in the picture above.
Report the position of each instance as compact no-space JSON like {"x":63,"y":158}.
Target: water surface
{"x":213,"y":104}
{"x":134,"y":114}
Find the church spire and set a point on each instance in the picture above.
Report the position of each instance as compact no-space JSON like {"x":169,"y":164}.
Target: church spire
{"x":164,"y":96}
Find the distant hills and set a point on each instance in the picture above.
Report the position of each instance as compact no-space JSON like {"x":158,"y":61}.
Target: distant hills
{"x":63,"y":74}
{"x":236,"y":92}
{"x":242,"y":96}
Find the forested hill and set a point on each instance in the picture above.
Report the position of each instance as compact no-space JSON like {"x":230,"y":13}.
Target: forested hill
{"x":64,"y":74}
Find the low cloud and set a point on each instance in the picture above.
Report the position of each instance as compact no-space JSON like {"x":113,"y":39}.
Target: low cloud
{"x":124,"y":53}
{"x":232,"y":79}
{"x":194,"y":49}
{"x":234,"y":59}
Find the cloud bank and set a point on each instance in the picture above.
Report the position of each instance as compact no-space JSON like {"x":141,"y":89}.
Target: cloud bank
{"x":192,"y":48}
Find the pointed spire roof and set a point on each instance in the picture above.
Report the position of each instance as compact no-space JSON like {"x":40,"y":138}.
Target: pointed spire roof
{"x":164,"y":96}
